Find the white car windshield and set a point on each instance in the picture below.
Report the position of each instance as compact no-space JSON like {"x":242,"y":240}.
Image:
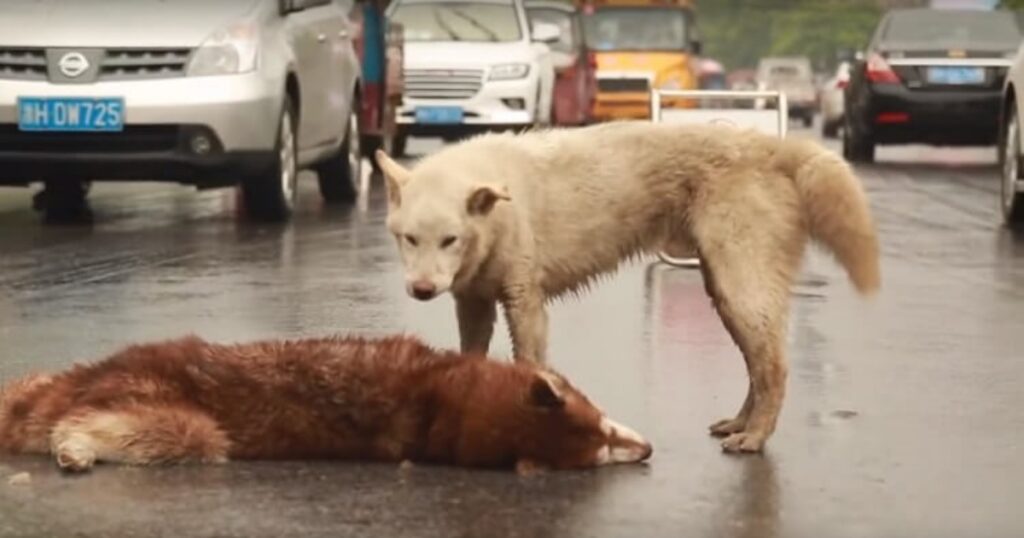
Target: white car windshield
{"x":458,"y":21}
{"x":637,"y":29}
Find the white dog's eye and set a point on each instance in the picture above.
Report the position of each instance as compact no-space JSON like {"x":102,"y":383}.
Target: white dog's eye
{"x":448,"y":241}
{"x":412,"y":240}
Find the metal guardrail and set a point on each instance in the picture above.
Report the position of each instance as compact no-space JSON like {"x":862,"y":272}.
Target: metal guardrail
{"x":760,"y":97}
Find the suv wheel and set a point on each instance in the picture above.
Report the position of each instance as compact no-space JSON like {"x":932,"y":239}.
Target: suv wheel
{"x":271,"y":195}
{"x":340,"y":175}
{"x":1012,"y":200}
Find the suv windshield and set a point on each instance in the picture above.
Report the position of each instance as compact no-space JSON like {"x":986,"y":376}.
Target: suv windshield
{"x":637,"y":29}
{"x":458,"y":21}
{"x":958,"y":27}
{"x":567,"y":41}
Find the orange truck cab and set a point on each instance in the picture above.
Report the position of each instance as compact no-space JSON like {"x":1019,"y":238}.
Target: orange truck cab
{"x":640,"y":45}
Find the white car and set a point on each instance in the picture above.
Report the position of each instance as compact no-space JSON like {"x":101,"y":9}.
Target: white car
{"x":832,"y":100}
{"x":472,"y":65}
{"x":206,"y":93}
{"x":1010,"y":144}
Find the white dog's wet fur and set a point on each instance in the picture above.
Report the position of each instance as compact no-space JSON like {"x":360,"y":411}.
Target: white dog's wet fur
{"x":521,"y":219}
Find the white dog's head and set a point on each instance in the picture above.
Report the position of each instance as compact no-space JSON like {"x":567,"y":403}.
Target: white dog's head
{"x":437,"y":219}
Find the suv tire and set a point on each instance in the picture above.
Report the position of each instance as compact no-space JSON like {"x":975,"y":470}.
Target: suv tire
{"x":270,"y":196}
{"x":1011,"y":201}
{"x":857,"y":147}
{"x":340,"y":175}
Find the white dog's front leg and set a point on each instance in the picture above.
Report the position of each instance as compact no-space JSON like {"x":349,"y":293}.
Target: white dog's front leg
{"x":476,"y":323}
{"x":528,"y":325}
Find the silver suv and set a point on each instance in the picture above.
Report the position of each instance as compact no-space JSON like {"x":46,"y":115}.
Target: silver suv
{"x":211,"y":93}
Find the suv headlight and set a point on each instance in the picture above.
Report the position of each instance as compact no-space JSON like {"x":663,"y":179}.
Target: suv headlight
{"x":509,"y":71}
{"x":229,"y":51}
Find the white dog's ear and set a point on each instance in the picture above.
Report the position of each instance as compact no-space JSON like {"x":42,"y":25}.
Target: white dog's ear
{"x":395,"y":177}
{"x":481,"y":201}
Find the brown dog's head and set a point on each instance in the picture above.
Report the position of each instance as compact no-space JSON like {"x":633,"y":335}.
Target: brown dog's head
{"x":538,"y":419}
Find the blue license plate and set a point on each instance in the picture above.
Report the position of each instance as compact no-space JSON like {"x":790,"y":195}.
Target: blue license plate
{"x":71,"y":114}
{"x":956,"y":75}
{"x":439,"y":114}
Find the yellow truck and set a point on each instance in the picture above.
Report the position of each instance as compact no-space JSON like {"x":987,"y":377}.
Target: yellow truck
{"x":639,"y":45}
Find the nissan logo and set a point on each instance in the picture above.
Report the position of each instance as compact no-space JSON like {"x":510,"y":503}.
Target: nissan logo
{"x":73,"y":64}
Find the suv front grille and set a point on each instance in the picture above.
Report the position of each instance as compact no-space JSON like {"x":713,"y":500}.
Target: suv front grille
{"x":443,"y":83}
{"x":22,"y":64}
{"x":117,"y":64}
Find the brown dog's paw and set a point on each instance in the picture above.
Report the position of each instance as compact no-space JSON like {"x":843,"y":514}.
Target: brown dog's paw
{"x":75,"y":458}
{"x":744,"y":442}
{"x":727,"y":427}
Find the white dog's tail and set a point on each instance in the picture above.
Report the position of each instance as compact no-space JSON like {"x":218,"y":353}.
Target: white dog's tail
{"x":836,"y":208}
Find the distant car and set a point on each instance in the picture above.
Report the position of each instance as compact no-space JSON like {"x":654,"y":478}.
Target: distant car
{"x":472,"y":65}
{"x":575,"y":65}
{"x":832,"y":100}
{"x":931,"y":77}
{"x":793,"y":77}
{"x":211,"y":94}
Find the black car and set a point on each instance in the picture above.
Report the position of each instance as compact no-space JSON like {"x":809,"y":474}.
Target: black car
{"x":930,"y":76}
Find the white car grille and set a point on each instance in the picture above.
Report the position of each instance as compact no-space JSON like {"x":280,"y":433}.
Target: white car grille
{"x":443,"y":83}
{"x":116,"y":64}
{"x":127,"y":64}
{"x":22,"y":64}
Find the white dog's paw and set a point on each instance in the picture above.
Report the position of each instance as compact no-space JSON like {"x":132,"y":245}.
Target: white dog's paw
{"x":727,"y":427}
{"x":744,"y":442}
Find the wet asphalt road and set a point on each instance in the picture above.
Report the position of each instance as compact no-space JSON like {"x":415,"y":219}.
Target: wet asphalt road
{"x":903,"y":415}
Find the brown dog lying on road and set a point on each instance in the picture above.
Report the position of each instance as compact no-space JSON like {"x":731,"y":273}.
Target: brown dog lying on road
{"x":392,"y":399}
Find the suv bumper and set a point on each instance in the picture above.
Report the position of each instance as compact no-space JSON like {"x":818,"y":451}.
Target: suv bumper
{"x":236,"y":114}
{"x":933,"y":117}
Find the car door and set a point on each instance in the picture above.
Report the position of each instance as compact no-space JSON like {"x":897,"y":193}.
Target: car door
{"x":315,"y":40}
{"x":345,"y":66}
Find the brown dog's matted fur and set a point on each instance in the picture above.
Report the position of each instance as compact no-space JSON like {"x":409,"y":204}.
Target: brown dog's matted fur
{"x":391,"y":399}
{"x":522,"y":219}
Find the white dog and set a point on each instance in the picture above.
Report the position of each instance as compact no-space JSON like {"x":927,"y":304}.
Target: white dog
{"x":520,"y":219}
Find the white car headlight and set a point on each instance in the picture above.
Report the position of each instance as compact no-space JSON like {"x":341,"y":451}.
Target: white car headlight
{"x":509,"y":71}
{"x":229,"y":51}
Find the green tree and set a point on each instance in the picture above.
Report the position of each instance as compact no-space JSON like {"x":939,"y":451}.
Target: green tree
{"x":739,"y":32}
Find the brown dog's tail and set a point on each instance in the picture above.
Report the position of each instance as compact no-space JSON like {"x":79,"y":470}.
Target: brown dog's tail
{"x":20,"y":429}
{"x":836,"y":208}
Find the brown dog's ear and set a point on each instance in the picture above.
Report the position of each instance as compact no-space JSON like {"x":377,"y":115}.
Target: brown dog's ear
{"x":483,"y":198}
{"x":544,"y":392}
{"x":395,"y":177}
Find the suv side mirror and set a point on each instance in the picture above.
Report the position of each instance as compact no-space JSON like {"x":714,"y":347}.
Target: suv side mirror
{"x":546,"y":32}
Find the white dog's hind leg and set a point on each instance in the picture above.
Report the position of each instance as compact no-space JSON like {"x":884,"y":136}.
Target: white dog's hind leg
{"x":476,"y":323}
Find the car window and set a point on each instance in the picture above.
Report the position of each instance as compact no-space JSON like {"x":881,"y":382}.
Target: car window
{"x":964,"y":28}
{"x":458,"y":21}
{"x":637,"y":29}
{"x":561,"y":19}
